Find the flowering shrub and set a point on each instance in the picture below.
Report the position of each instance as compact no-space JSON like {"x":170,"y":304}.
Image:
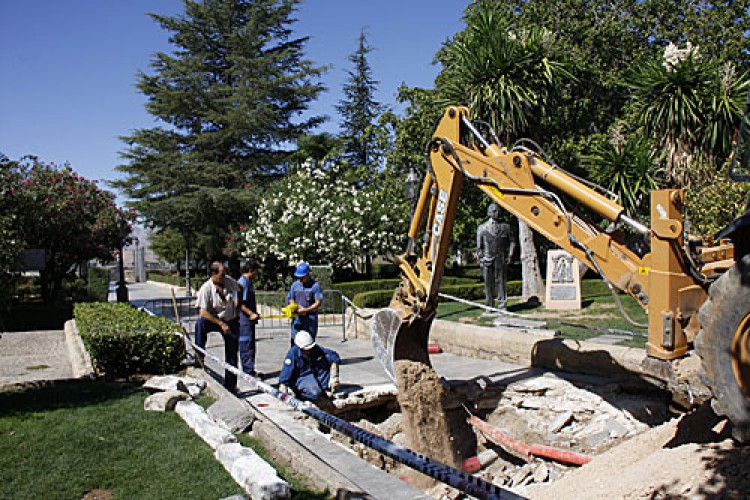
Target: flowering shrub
{"x":318,"y":216}
{"x":673,"y":55}
{"x":59,"y":211}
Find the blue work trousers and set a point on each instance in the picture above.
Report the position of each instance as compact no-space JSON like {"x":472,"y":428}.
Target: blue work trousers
{"x":308,"y":388}
{"x":247,"y":346}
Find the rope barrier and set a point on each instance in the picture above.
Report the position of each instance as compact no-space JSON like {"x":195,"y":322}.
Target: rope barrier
{"x":503,"y":312}
{"x":456,"y":478}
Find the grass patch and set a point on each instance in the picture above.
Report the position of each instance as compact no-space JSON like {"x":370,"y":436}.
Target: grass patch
{"x":64,"y":439}
{"x":598,"y":310}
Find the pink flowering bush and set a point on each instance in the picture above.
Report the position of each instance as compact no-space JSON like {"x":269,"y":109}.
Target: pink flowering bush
{"x":59,"y":211}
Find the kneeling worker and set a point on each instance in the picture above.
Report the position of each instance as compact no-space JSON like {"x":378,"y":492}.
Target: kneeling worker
{"x":309,"y":369}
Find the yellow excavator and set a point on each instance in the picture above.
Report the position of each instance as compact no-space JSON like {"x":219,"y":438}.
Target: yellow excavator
{"x":695,"y":294}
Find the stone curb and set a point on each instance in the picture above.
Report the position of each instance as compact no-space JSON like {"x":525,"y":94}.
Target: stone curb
{"x":327,"y":465}
{"x":77,"y":353}
{"x":251,"y":472}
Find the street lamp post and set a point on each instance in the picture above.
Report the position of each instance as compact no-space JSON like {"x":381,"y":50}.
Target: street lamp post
{"x":411,"y":185}
{"x":136,"y":262}
{"x":122,"y":288}
{"x":186,"y":235}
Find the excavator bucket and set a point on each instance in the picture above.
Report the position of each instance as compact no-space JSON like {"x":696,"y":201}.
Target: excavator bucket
{"x":395,"y":338}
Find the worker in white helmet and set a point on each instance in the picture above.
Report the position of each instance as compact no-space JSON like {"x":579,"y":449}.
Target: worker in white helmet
{"x":309,"y":370}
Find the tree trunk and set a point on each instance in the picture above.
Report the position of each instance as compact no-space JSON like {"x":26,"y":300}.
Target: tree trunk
{"x":533,"y":285}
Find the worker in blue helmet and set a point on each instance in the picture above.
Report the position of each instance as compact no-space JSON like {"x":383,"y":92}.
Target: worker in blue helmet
{"x":307,"y":294}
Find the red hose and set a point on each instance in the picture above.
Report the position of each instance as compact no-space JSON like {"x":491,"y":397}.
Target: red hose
{"x":502,"y":439}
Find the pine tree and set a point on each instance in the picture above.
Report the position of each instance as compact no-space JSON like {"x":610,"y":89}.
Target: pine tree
{"x":360,"y":133}
{"x":228,"y":97}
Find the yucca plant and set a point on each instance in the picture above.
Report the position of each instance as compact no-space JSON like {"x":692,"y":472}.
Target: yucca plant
{"x":624,"y":165}
{"x":505,"y":75}
{"x":689,"y":105}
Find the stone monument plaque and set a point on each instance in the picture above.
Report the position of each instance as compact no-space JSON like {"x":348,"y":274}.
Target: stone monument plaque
{"x":563,"y":281}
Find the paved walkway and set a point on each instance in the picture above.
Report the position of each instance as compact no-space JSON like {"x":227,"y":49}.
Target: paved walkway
{"x":359,"y":367}
{"x":34,"y":356}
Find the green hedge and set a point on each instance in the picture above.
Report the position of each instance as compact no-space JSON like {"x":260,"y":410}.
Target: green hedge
{"x":466,"y":291}
{"x":353,"y":288}
{"x":124,"y":341}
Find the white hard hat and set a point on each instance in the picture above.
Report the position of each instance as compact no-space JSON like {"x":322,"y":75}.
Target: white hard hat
{"x":304,"y":340}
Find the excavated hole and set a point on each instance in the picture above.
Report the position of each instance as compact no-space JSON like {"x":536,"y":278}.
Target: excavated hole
{"x":543,"y":410}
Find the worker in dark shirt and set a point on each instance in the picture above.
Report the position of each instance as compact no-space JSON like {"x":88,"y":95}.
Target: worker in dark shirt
{"x":309,"y":370}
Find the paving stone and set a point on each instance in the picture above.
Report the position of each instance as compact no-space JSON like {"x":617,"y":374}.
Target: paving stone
{"x":232,"y":413}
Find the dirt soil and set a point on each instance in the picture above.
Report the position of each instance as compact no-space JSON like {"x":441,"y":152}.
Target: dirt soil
{"x":687,"y":457}
{"x":425,"y":425}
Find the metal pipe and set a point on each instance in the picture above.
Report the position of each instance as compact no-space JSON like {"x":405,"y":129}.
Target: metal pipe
{"x":634,"y":224}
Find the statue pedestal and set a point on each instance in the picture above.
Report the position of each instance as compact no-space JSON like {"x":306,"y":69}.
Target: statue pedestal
{"x":563,"y":281}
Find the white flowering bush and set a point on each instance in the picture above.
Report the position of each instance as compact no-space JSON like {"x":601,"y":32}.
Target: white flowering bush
{"x":316,"y":215}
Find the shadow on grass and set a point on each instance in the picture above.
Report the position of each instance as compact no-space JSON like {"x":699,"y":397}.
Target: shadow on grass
{"x":53,"y":395}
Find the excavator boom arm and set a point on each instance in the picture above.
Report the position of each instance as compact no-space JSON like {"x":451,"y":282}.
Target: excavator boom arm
{"x":538,"y":193}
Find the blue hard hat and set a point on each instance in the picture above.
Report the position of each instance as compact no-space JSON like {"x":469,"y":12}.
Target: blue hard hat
{"x":303,"y":269}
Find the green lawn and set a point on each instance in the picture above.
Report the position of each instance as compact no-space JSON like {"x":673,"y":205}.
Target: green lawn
{"x":62,"y":440}
{"x":599,"y":309}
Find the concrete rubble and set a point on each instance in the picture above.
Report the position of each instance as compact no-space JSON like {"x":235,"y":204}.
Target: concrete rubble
{"x":190,"y":385}
{"x":232,"y":413}
{"x":542,"y":410}
{"x":217,"y":427}
{"x":251,"y":472}
{"x":164,"y":401}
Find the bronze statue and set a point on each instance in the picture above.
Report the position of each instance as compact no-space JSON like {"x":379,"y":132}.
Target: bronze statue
{"x":495,"y":246}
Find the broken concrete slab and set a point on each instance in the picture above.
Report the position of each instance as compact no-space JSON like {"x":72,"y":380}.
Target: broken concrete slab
{"x":193,"y":386}
{"x":561,"y":421}
{"x":164,"y":401}
{"x":251,"y":472}
{"x":234,"y":414}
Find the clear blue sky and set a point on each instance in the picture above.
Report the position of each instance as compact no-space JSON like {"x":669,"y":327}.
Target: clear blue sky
{"x":68,"y":67}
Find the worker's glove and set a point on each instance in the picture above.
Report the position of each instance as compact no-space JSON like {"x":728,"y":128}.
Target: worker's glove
{"x":333,"y":383}
{"x":284,"y":389}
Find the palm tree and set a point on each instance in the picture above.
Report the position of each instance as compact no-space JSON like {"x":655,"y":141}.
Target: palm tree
{"x":505,"y":74}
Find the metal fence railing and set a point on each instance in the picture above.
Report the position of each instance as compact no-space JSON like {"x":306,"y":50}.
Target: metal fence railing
{"x":331,"y":315}
{"x":166,"y":308}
